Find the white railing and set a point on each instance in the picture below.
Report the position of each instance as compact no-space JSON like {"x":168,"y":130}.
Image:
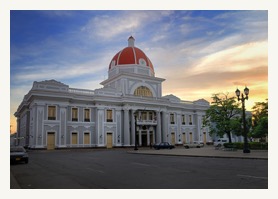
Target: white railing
{"x":81,"y":91}
{"x":186,"y":102}
{"x":146,"y":122}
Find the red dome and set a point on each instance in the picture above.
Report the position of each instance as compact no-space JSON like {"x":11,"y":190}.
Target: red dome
{"x":131,"y":55}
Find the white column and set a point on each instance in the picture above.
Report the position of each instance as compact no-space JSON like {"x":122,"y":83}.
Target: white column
{"x":100,"y":126}
{"x":198,"y":126}
{"x":63,"y":126}
{"x":164,"y":126}
{"x":158,"y":127}
{"x":126,"y":128}
{"x":132,"y":128}
{"x":119,"y":127}
{"x":40,"y":126}
{"x":179,"y":135}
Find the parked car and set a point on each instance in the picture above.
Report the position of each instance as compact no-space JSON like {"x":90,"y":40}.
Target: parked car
{"x":210,"y":142}
{"x":18,"y":154}
{"x":163,"y":145}
{"x":193,"y":145}
{"x":220,"y":142}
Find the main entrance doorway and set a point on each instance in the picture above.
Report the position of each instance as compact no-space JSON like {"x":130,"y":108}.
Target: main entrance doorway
{"x":144,"y":138}
{"x":151,"y":138}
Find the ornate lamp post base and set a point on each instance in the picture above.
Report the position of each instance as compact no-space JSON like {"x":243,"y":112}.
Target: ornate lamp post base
{"x":246,"y":151}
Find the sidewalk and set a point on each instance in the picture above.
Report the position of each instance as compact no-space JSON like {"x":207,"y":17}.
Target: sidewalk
{"x":207,"y":151}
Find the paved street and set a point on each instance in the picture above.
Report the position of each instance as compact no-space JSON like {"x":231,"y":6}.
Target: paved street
{"x":118,"y":169}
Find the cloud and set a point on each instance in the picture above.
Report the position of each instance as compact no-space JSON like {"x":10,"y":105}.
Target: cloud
{"x":57,"y":13}
{"x":58,"y":71}
{"x":222,"y":71}
{"x":237,"y":58}
{"x":107,"y":27}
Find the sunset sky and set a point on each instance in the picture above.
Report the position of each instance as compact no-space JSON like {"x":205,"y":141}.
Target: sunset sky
{"x":198,"y":52}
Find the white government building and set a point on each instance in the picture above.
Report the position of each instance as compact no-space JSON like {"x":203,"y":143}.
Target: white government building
{"x":128,"y":109}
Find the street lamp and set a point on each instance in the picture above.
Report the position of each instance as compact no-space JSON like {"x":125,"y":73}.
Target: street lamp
{"x":135,"y":117}
{"x":246,"y":92}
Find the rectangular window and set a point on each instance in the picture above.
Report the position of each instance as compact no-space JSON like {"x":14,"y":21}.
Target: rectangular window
{"x":172,"y":118}
{"x":183,"y":119}
{"x":150,"y":116}
{"x":74,"y":114}
{"x":190,"y":119}
{"x":144,"y":115}
{"x":51,"y":113}
{"x":87,"y":115}
{"x":109,"y":115}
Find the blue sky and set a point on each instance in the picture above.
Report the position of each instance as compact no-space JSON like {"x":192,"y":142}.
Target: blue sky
{"x":198,"y":52}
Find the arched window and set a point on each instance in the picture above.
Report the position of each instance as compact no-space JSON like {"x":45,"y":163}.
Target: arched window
{"x":143,"y":91}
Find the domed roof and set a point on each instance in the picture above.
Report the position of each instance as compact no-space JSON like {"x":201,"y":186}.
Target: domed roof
{"x":131,"y":55}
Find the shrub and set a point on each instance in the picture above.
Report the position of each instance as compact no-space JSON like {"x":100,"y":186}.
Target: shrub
{"x":252,"y":145}
{"x":258,"y":145}
{"x":230,"y":145}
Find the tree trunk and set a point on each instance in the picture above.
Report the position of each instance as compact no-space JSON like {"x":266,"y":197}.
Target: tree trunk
{"x":229,"y":136}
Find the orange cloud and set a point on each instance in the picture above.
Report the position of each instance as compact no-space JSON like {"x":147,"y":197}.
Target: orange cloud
{"x":224,"y":71}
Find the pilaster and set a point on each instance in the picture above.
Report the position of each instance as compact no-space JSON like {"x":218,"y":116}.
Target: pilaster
{"x":158,"y":127}
{"x":62,"y":134}
{"x":164,"y":126}
{"x":132,"y":128}
{"x":126,"y":127}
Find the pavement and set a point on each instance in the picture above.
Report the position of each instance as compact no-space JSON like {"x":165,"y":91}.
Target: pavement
{"x":13,"y":182}
{"x":207,"y":151}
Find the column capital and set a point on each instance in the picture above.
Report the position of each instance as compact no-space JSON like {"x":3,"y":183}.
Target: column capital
{"x":126,"y":108}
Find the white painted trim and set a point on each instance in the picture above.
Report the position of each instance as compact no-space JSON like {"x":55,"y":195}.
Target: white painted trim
{"x":135,"y":58}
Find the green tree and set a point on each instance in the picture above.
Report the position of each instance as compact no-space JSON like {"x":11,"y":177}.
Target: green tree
{"x":237,"y":125}
{"x":222,"y":116}
{"x":260,"y":119}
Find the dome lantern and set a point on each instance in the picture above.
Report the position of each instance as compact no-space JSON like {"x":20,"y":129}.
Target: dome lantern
{"x":131,"y":41}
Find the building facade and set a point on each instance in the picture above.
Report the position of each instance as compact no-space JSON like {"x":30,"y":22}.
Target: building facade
{"x":128,"y":109}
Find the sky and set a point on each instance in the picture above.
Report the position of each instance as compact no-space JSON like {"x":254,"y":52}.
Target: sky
{"x":198,"y":52}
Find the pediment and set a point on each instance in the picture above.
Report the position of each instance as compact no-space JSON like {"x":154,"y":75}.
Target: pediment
{"x":50,"y":85}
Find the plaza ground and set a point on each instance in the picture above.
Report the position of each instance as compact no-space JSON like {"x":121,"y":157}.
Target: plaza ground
{"x":179,"y":168}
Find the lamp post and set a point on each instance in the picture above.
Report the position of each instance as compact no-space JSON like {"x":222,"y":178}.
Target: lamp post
{"x":135,"y":117}
{"x":242,"y":99}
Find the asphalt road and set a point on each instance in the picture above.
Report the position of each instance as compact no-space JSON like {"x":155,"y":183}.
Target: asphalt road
{"x":117,"y":169}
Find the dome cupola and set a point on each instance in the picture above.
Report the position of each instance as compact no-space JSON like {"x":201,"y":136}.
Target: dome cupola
{"x":131,"y":56}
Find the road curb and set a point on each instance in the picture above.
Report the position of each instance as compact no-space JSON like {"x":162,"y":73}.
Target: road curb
{"x":194,"y":155}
